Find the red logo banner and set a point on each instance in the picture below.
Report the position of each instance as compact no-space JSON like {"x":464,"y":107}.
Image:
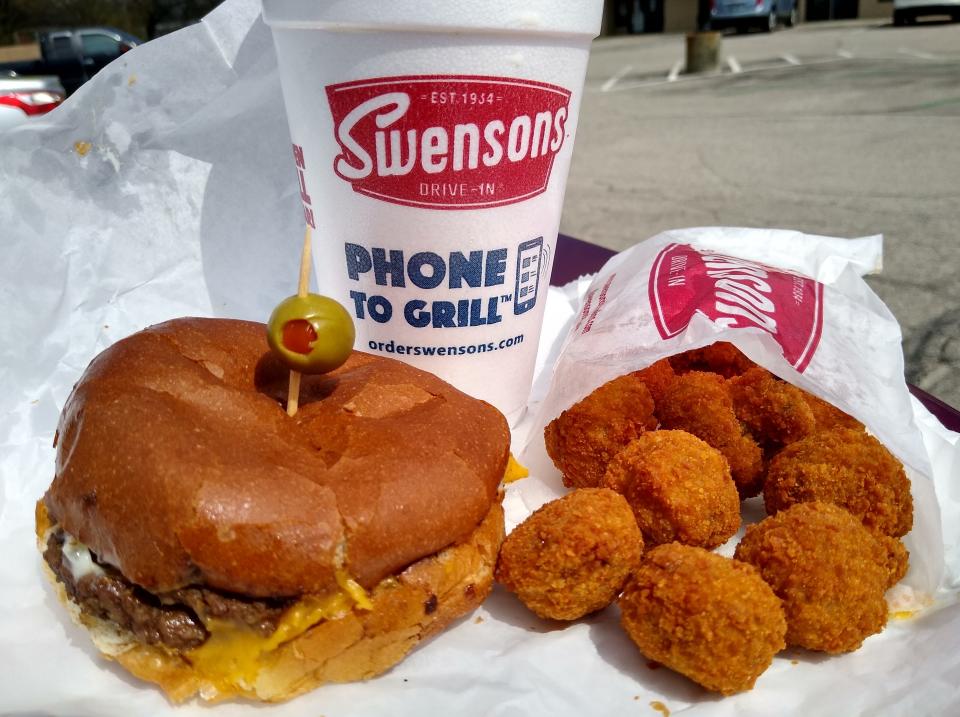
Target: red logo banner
{"x":735,"y":293}
{"x":448,"y":142}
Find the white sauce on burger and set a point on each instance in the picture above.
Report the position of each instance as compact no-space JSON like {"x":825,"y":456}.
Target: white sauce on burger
{"x":79,"y":559}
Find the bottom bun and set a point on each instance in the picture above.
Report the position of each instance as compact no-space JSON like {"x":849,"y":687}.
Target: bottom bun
{"x":406,"y":609}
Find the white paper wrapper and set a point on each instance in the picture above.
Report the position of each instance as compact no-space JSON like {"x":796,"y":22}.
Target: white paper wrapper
{"x":187,"y":203}
{"x":795,"y":304}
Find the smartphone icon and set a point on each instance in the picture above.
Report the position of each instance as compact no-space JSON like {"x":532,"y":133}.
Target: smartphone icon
{"x":529,"y":259}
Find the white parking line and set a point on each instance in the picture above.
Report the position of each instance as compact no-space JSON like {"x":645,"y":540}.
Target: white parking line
{"x":676,"y":75}
{"x":608,"y":85}
{"x":916,"y":53}
{"x":707,"y":76}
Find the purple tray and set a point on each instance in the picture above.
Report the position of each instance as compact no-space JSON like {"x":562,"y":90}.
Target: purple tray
{"x":576,"y":257}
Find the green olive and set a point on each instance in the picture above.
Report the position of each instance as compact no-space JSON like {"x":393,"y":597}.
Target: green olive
{"x":311,"y":334}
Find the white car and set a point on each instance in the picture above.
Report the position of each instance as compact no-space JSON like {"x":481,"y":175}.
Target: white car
{"x":906,"y":12}
{"x":22,"y":98}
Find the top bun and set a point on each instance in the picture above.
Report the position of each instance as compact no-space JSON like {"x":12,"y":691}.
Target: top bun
{"x":177,"y":464}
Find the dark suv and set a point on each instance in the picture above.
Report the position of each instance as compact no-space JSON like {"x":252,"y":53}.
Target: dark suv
{"x":75,"y":55}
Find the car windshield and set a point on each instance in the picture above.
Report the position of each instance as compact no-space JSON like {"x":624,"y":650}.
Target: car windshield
{"x":99,"y":44}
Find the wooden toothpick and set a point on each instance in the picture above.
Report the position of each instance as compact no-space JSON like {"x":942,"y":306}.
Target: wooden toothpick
{"x":293,"y":392}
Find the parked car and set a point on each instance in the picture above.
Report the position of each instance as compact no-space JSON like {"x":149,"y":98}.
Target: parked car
{"x":22,"y":98}
{"x":906,"y":12}
{"x":74,"y":55}
{"x":745,"y":14}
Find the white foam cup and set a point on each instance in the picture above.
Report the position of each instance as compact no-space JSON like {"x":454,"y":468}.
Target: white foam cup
{"x":432,"y":139}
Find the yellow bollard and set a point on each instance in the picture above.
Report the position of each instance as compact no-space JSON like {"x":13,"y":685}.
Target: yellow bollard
{"x":703,"y":52}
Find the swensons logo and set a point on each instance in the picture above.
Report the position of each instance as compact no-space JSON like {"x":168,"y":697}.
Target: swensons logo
{"x":736,"y":294}
{"x":743,"y":297}
{"x":448,"y":142}
{"x":434,"y":149}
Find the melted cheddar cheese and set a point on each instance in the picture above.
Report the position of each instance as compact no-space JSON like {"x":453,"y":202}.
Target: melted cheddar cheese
{"x":231,"y":656}
{"x":515,"y":471}
{"x":354,"y":589}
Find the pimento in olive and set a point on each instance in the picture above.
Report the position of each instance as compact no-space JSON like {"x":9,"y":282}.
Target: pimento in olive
{"x":311,"y":334}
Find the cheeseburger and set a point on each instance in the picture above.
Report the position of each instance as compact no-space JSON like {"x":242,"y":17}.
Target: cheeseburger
{"x":215,"y":546}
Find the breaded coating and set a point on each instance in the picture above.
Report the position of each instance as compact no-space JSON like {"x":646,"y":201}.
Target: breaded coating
{"x":657,"y":377}
{"x":705,"y":616}
{"x":898,"y":558}
{"x":585,"y":437}
{"x":572,"y":556}
{"x":722,"y":358}
{"x":699,"y":403}
{"x":773,"y":411}
{"x":827,"y":416}
{"x":830,"y":571}
{"x":849,"y":468}
{"x":679,"y":488}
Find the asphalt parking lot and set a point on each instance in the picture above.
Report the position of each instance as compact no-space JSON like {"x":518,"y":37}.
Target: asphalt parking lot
{"x":846,"y":129}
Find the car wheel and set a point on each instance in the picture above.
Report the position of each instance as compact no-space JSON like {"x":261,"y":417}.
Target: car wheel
{"x":771,"y":24}
{"x":791,"y":20}
{"x":904,"y":18}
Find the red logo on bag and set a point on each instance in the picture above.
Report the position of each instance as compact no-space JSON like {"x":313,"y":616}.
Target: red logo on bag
{"x":735,"y":293}
{"x":448,"y":142}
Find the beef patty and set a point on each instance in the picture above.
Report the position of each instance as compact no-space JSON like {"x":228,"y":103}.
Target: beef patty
{"x":175,"y":618}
